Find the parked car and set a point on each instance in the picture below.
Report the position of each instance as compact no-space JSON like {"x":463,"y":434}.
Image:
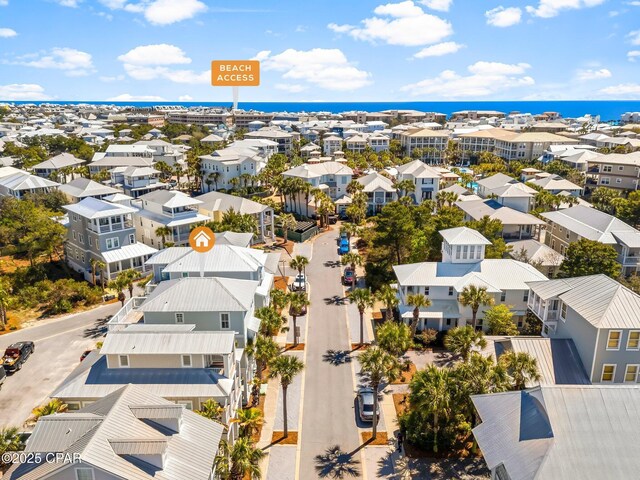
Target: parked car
{"x":16,"y":354}
{"x":343,"y":236}
{"x":85,"y":354}
{"x":300,"y":283}
{"x":348,"y":276}
{"x":332,"y":219}
{"x":344,"y":246}
{"x":365,"y":405}
{"x":3,"y":376}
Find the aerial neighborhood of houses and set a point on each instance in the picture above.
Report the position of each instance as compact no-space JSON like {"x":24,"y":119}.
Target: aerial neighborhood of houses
{"x":502,"y":247}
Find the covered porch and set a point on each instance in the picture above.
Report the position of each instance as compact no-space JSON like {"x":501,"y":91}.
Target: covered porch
{"x":128,"y":257}
{"x":440,"y":315}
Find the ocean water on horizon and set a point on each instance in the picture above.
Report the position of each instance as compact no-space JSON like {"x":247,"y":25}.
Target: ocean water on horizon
{"x":609,"y":110}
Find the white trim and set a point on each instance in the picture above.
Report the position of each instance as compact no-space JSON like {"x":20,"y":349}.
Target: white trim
{"x":228,"y":320}
{"x":593,"y":362}
{"x":563,"y":318}
{"x":629,"y":338}
{"x":179,"y":315}
{"x":614,"y":349}
{"x":637,"y":374}
{"x":120,"y":357}
{"x":182,"y":358}
{"x":187,"y":403}
{"x":613,"y":375}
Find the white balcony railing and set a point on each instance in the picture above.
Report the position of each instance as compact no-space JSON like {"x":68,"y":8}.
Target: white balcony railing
{"x":127,"y":315}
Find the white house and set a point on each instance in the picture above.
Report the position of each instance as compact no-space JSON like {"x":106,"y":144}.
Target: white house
{"x":425,"y":178}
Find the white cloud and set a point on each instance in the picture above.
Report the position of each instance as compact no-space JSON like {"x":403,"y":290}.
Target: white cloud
{"x":115,"y":78}
{"x":551,"y":8}
{"x":623,"y":90}
{"x":7,"y":33}
{"x":23,"y":91}
{"x":160,"y":54}
{"x":503,"y":17}
{"x":126,"y":97}
{"x":439,"y":50}
{"x":320,"y":67}
{"x":69,"y":3}
{"x":74,"y":62}
{"x":150,"y":62}
{"x":440,"y":5}
{"x":486,"y":78}
{"x":185,"y":98}
{"x":408,"y":25}
{"x":291,"y":88}
{"x":633,"y":54}
{"x":634,"y":37}
{"x":4,"y":3}
{"x":589,"y":74}
{"x":159,"y":12}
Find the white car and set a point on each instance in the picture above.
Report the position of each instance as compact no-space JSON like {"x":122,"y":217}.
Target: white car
{"x":300,"y":283}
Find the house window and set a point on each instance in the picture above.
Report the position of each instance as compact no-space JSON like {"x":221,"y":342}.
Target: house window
{"x":187,"y":403}
{"x":410,"y":289}
{"x":563,"y":311}
{"x":525,"y":297}
{"x":607,"y":168}
{"x":186,"y":361}
{"x":179,"y":317}
{"x":605,"y":181}
{"x":448,"y":322}
{"x":113,"y":243}
{"x":132,"y":238}
{"x":224,"y":321}
{"x":620,"y":168}
{"x":75,"y":217}
{"x":451,"y":291}
{"x":458,"y":252}
{"x":84,"y":473}
{"x":124,"y":361}
{"x":633,"y":342}
{"x":631,"y":374}
{"x":74,"y":235}
{"x":613,"y":343}
{"x":608,"y":373}
{"x":71,"y":406}
{"x":426,"y":290}
{"x":81,"y":238}
{"x":503,"y":296}
{"x":618,"y":180}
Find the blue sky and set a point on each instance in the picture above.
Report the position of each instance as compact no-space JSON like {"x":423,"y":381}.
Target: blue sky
{"x":160,"y":50}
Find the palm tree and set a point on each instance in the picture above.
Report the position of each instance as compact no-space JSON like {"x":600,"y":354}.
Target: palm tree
{"x":211,"y":410}
{"x":93,"y":262}
{"x":352,"y":259}
{"x":417,"y":301}
{"x":163,"y":232}
{"x":285,"y":367}
{"x":363,"y":299}
{"x":249,"y":420}
{"x":480,"y":376}
{"x":389,"y":296}
{"x":119,"y":284}
{"x":279,"y":299}
{"x":462,"y":340}
{"x":238,"y":461}
{"x":405,"y":187}
{"x":288,"y":222}
{"x":5,"y":298}
{"x":100,"y":265}
{"x":54,"y":406}
{"x":475,"y":297}
{"x":10,"y":441}
{"x":270,"y":321}
{"x":128,"y":278}
{"x":431,"y":392}
{"x":266,"y":349}
{"x":394,"y":338}
{"x":298,"y":302}
{"x":521,"y":367}
{"x":177,"y":170}
{"x":350,"y":229}
{"x":379,"y":366}
{"x":299,"y":263}
{"x":214,"y":177}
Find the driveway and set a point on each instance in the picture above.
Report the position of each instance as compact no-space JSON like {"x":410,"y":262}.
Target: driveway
{"x":330,"y":440}
{"x":58,"y":346}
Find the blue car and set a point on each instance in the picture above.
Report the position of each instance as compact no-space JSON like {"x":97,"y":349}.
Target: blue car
{"x":344,"y":246}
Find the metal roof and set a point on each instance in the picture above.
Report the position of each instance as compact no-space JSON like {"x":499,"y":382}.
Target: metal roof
{"x":221,"y":258}
{"x":26,"y":181}
{"x":59,"y":161}
{"x":56,"y":433}
{"x":159,"y":327}
{"x":157,"y":412}
{"x":84,"y":187}
{"x":170,"y":198}
{"x":591,"y":434}
{"x":463,"y":236}
{"x":599,"y":299}
{"x":128,"y":251}
{"x":375,"y":181}
{"x":216,"y":201}
{"x":536,"y":252}
{"x":93,"y":208}
{"x":206,"y":294}
{"x":140,"y":446}
{"x":495,"y":211}
{"x":135,"y":342}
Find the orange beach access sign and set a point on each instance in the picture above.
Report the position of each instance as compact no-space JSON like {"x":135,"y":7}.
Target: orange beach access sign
{"x":235,"y":73}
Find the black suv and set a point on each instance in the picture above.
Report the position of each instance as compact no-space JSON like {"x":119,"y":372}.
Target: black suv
{"x":16,"y":354}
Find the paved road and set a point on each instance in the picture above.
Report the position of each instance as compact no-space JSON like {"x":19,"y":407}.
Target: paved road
{"x":328,"y":417}
{"x":58,"y":346}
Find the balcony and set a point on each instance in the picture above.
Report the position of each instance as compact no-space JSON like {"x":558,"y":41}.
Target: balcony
{"x":630,"y":260}
{"x":113,"y":227}
{"x":127,"y":315}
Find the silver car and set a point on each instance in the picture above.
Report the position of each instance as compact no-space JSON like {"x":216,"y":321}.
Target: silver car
{"x":365,"y":405}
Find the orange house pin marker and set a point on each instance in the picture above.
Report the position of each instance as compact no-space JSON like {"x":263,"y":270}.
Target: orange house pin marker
{"x":202,"y":239}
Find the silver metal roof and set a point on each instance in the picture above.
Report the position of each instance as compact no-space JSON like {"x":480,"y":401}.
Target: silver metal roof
{"x":221,"y":258}
{"x":139,"y":446}
{"x":93,"y":208}
{"x":463,"y":236}
{"x":593,"y":432}
{"x":125,"y":252}
{"x":125,"y":342}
